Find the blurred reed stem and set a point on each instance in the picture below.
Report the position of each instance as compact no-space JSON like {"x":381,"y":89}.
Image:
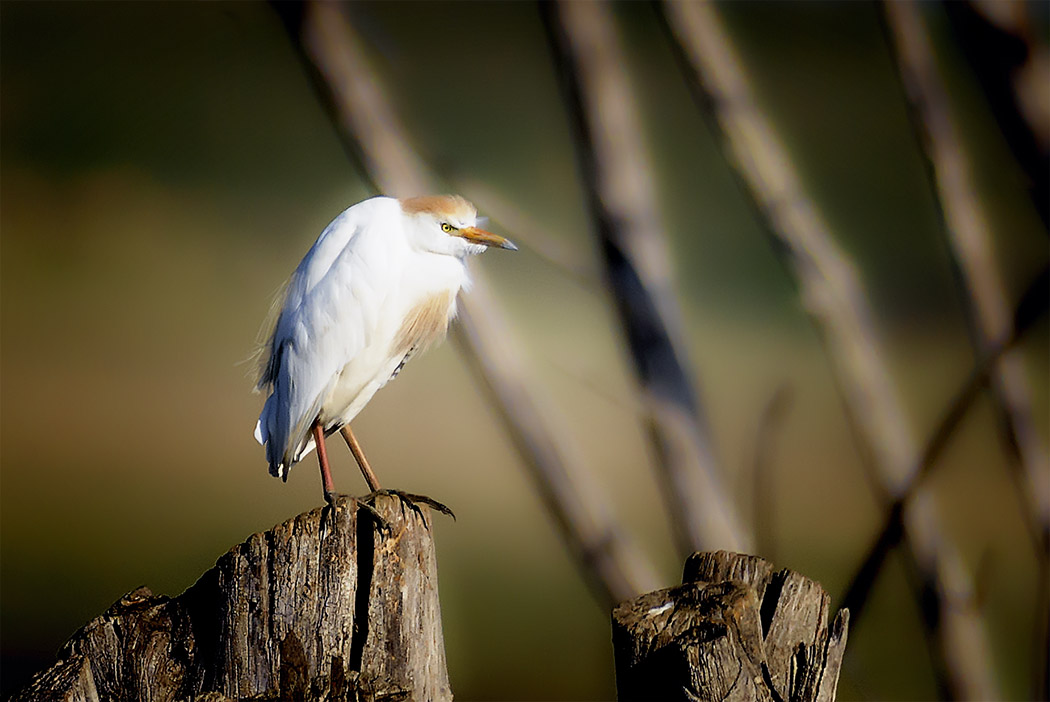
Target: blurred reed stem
{"x":970,"y":238}
{"x":609,"y":560}
{"x":1033,"y":306}
{"x":969,"y":235}
{"x":616,"y":174}
{"x":832,"y":292}
{"x":1007,"y":52}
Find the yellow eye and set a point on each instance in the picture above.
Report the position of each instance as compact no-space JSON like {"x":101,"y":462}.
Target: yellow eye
{"x":447,"y":228}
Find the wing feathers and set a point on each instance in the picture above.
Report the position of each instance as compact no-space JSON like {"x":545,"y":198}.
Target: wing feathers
{"x":321,"y":327}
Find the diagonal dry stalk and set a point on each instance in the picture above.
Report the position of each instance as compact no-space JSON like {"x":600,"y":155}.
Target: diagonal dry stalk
{"x":611,"y":563}
{"x":1032,"y":307}
{"x":616,"y":178}
{"x":970,"y":238}
{"x":609,"y":560}
{"x":832,"y":292}
{"x":1007,"y":53}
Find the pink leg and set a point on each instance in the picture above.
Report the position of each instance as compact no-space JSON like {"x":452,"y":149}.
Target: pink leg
{"x":359,"y":456}
{"x":322,"y":459}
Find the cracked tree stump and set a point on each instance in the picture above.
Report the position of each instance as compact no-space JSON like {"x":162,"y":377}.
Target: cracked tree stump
{"x":734,"y":630}
{"x":291,"y":614}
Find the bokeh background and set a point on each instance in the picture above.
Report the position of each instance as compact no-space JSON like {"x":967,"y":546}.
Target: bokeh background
{"x":163,"y":167}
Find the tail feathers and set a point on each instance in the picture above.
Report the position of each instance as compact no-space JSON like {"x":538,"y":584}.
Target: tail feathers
{"x":278,"y":468}
{"x":281,"y":466}
{"x":286,"y":445}
{"x":264,"y":437}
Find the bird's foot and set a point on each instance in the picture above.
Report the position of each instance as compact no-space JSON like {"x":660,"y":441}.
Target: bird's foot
{"x":328,"y":513}
{"x":410,"y":499}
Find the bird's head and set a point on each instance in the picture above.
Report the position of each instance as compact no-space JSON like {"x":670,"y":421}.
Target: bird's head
{"x":448,"y":224}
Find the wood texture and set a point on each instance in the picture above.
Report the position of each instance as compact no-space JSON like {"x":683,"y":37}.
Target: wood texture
{"x":324,"y":606}
{"x":734,"y":630}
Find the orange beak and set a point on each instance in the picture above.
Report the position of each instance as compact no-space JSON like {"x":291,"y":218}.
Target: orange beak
{"x":480,"y":236}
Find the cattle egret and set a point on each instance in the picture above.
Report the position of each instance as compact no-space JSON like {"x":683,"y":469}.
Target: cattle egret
{"x":377,"y":287}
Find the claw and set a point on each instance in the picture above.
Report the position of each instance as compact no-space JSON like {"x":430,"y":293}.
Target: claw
{"x":410,"y":499}
{"x":413,"y":498}
{"x":328,"y":513}
{"x":380,"y":521}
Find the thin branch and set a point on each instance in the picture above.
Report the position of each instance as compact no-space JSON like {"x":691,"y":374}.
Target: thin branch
{"x":611,"y":563}
{"x":970,"y":238}
{"x":1005,"y":58}
{"x":832,"y":292}
{"x":615,"y":172}
{"x":1031,"y":308}
{"x":609,"y":560}
{"x":970,"y":235}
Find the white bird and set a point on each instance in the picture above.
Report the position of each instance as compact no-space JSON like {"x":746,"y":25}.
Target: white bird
{"x":378,"y":286}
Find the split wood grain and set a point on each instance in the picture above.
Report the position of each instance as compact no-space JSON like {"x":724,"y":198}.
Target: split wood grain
{"x":325,"y":606}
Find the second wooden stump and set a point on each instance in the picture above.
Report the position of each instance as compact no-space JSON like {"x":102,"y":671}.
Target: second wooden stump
{"x":734,"y":630}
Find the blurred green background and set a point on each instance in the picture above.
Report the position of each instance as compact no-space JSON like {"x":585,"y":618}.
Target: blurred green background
{"x":163,"y":167}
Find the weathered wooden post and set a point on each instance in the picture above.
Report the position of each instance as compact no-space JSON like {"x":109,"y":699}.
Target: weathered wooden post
{"x":734,"y":630}
{"x":332,"y":607}
{"x":324,"y":606}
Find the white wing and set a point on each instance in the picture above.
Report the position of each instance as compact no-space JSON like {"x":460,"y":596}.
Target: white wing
{"x":323,"y":324}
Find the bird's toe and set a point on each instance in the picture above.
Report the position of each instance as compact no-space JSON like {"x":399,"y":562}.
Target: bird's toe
{"x":412,"y":500}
